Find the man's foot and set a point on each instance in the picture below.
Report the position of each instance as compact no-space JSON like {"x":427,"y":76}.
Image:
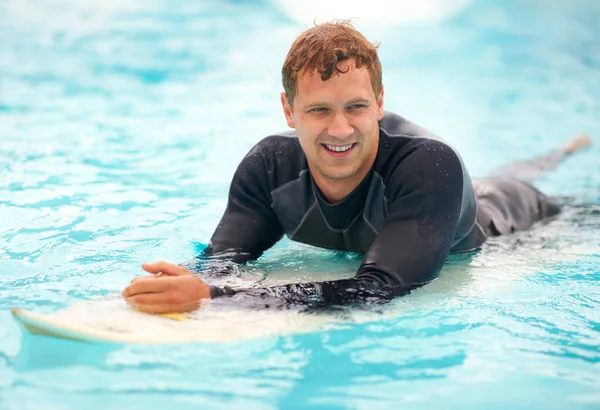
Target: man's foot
{"x":579,"y":142}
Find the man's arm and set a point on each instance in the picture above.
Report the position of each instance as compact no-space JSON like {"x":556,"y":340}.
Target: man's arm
{"x":249,"y":226}
{"x":426,"y":194}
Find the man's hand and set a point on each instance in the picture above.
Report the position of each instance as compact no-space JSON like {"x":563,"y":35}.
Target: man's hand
{"x":171,"y":289}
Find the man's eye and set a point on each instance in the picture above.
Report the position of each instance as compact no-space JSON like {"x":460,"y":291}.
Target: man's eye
{"x":356,"y":106}
{"x":318,"y":109}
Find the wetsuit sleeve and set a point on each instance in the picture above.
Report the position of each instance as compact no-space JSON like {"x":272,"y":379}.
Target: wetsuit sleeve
{"x":425,"y":194}
{"x":249,"y":226}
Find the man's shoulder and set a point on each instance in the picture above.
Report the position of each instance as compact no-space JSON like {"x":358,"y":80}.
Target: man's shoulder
{"x":276,"y":160}
{"x":399,"y":136}
{"x":395,"y":125}
{"x":284,"y":143}
{"x":401,"y":140}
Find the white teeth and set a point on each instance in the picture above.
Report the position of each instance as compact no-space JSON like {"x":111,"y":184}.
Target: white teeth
{"x":338,"y":148}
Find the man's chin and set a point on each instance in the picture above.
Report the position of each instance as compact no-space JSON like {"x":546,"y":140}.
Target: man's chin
{"x":339,"y":174}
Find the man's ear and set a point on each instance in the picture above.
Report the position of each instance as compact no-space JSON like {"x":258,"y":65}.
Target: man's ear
{"x":380,"y":105}
{"x":287,"y":110}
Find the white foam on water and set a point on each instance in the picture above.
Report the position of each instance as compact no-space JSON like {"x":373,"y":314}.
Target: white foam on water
{"x":371,"y":12}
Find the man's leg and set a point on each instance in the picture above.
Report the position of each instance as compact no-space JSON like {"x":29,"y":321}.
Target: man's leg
{"x":508,"y":202}
{"x":529,"y":170}
{"x":506,"y":205}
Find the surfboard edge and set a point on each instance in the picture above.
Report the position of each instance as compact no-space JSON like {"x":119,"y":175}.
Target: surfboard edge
{"x":45,"y":325}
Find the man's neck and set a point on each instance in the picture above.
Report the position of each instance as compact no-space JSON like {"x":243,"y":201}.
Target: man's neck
{"x":335,"y":190}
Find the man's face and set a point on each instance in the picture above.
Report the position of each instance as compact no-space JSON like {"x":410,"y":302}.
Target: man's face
{"x":337,"y":123}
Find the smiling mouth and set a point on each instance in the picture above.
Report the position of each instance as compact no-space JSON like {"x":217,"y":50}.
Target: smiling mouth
{"x":338,"y":148}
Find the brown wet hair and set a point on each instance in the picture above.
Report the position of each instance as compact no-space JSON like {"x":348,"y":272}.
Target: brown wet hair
{"x":320,"y":49}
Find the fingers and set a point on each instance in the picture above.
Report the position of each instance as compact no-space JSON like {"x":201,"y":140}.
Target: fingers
{"x":150,"y":299}
{"x":166,"y":294}
{"x":137,"y":278}
{"x":161,"y":303}
{"x":145,"y":284}
{"x":165,"y":268}
{"x":157,"y":309}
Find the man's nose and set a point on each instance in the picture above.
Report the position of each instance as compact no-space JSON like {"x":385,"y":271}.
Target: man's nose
{"x":340,"y":126}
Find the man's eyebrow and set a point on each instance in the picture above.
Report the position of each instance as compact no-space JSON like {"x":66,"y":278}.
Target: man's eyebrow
{"x":315,"y":104}
{"x":358,"y":100}
{"x":324,"y":104}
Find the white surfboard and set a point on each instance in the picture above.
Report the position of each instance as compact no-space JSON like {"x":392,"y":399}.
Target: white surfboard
{"x":110,"y":319}
{"x":47,"y":325}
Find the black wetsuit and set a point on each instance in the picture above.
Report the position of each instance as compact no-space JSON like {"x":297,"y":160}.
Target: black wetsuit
{"x":416,"y":205}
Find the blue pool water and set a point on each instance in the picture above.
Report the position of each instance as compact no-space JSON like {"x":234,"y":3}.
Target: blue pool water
{"x":121,"y":125}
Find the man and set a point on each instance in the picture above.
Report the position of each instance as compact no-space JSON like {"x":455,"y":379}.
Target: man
{"x":351,"y":177}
